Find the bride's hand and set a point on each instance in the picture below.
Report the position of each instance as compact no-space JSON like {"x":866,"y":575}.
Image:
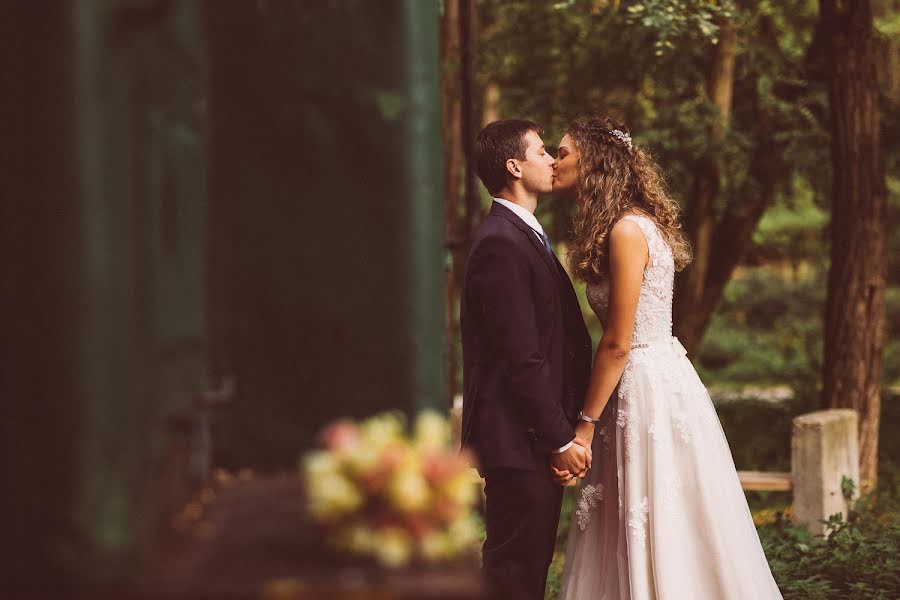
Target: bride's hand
{"x":585,"y":431}
{"x":561,"y":477}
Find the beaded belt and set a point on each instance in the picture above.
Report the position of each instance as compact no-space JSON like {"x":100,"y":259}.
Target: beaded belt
{"x":671,"y":340}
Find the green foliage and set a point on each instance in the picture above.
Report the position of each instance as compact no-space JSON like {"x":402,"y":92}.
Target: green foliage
{"x":553,"y":62}
{"x":767,"y":330}
{"x":857,"y":560}
{"x":793,"y":229}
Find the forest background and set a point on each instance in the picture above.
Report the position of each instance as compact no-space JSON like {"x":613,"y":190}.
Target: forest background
{"x":732,"y":100}
{"x":777,"y":126}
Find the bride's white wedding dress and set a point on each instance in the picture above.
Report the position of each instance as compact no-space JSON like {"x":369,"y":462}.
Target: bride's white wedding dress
{"x":661,"y":514}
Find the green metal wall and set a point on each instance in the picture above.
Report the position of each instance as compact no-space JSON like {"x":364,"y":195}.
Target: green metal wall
{"x":103,"y":343}
{"x":192,"y":190}
{"x":325,"y":184}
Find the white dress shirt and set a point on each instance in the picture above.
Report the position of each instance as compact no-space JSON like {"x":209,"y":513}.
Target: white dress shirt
{"x":531,"y":221}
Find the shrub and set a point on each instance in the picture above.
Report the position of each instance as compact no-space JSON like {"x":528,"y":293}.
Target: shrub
{"x":857,"y":559}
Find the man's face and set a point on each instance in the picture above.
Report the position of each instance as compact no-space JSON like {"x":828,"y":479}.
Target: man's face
{"x":537,"y":168}
{"x":566,"y":167}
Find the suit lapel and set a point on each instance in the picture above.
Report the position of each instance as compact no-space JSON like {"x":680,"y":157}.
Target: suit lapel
{"x":498,"y":210}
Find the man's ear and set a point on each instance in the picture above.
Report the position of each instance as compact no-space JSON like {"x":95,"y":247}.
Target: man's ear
{"x":512,"y":167}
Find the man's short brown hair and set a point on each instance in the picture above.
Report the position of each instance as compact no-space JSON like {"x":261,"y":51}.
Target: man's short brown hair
{"x":496,"y":143}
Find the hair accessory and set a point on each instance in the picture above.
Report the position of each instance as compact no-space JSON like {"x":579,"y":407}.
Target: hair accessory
{"x":622,"y":137}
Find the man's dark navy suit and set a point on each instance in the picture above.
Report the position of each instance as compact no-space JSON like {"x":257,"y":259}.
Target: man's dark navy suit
{"x":526,"y":363}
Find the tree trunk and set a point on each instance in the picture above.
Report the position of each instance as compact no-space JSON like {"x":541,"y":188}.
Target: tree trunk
{"x":700,"y":219}
{"x":491,"y":109}
{"x":467,"y":50}
{"x":733,"y":232}
{"x":461,"y":209}
{"x":854,"y":312}
{"x":453,"y":224}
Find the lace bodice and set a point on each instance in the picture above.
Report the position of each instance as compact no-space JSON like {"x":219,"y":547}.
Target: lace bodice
{"x":654,"y":311}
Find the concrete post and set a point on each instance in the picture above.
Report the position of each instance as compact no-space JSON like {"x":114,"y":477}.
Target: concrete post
{"x":824,"y":449}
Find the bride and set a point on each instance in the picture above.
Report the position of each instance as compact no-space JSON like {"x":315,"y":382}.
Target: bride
{"x":661,"y":513}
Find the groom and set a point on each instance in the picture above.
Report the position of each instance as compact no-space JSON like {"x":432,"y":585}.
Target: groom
{"x":526,"y":362}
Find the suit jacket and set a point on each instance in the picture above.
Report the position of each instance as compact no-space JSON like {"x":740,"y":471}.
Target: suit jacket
{"x":526,"y":350}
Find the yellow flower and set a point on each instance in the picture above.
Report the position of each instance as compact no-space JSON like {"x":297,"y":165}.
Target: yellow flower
{"x":463,"y":534}
{"x":381,"y":430}
{"x":432,"y":432}
{"x":332,"y":495}
{"x":408,"y":491}
{"x":319,"y":464}
{"x":436,"y":545}
{"x":393,"y":547}
{"x":357,"y":539}
{"x":462,"y":488}
{"x":360,"y":460}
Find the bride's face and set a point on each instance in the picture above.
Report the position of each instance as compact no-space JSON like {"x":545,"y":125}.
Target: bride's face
{"x":565,"y":171}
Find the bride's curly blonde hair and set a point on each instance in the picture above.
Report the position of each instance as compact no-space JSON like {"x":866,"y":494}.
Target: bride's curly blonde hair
{"x":615,"y":177}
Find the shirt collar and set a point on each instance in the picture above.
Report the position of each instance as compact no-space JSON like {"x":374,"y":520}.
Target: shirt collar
{"x":523,"y":214}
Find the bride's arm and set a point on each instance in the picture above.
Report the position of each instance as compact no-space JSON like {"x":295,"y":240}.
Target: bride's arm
{"x":628,"y":256}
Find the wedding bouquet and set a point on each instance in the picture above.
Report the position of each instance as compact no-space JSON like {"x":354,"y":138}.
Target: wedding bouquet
{"x":380,"y":493}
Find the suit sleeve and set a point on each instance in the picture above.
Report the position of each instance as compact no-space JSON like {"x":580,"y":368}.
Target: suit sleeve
{"x":502,"y":290}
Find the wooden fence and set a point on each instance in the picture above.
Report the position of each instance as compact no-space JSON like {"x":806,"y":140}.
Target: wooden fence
{"x":824,"y":450}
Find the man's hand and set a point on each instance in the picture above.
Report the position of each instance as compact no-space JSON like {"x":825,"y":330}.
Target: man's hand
{"x":576,"y":459}
{"x":563,"y":476}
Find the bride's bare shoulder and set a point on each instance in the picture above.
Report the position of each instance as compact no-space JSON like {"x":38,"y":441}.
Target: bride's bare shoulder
{"x":627,"y":235}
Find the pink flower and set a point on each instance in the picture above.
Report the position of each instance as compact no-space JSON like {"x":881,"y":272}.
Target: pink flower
{"x":438,"y":467}
{"x":445,"y":510}
{"x":417,"y":526}
{"x":392,"y":457}
{"x":374,"y":482}
{"x":341,"y":435}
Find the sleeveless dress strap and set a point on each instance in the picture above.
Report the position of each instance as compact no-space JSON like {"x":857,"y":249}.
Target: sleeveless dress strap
{"x":648,"y":228}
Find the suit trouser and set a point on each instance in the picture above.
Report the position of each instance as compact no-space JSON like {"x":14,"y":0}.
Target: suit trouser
{"x":521,"y":514}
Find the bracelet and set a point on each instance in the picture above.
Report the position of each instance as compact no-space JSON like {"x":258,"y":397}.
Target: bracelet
{"x":587,"y":419}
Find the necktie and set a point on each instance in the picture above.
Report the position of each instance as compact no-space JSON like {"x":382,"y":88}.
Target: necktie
{"x":546,"y":243}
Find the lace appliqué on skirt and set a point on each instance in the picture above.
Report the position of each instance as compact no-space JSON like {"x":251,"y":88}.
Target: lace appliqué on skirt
{"x":637,"y":521}
{"x":591,"y":496}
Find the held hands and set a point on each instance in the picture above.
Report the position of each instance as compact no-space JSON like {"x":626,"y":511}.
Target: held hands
{"x":565,"y":468}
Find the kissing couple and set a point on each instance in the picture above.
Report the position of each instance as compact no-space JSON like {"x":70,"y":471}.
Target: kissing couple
{"x":659,"y":510}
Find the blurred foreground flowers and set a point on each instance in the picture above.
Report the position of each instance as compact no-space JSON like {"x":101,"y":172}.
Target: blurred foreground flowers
{"x":380,"y":493}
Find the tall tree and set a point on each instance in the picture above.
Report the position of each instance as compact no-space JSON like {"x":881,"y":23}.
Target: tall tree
{"x":460,"y":194}
{"x":854,"y":314}
{"x":700,"y":219}
{"x":453,"y":223}
{"x":722,"y":230}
